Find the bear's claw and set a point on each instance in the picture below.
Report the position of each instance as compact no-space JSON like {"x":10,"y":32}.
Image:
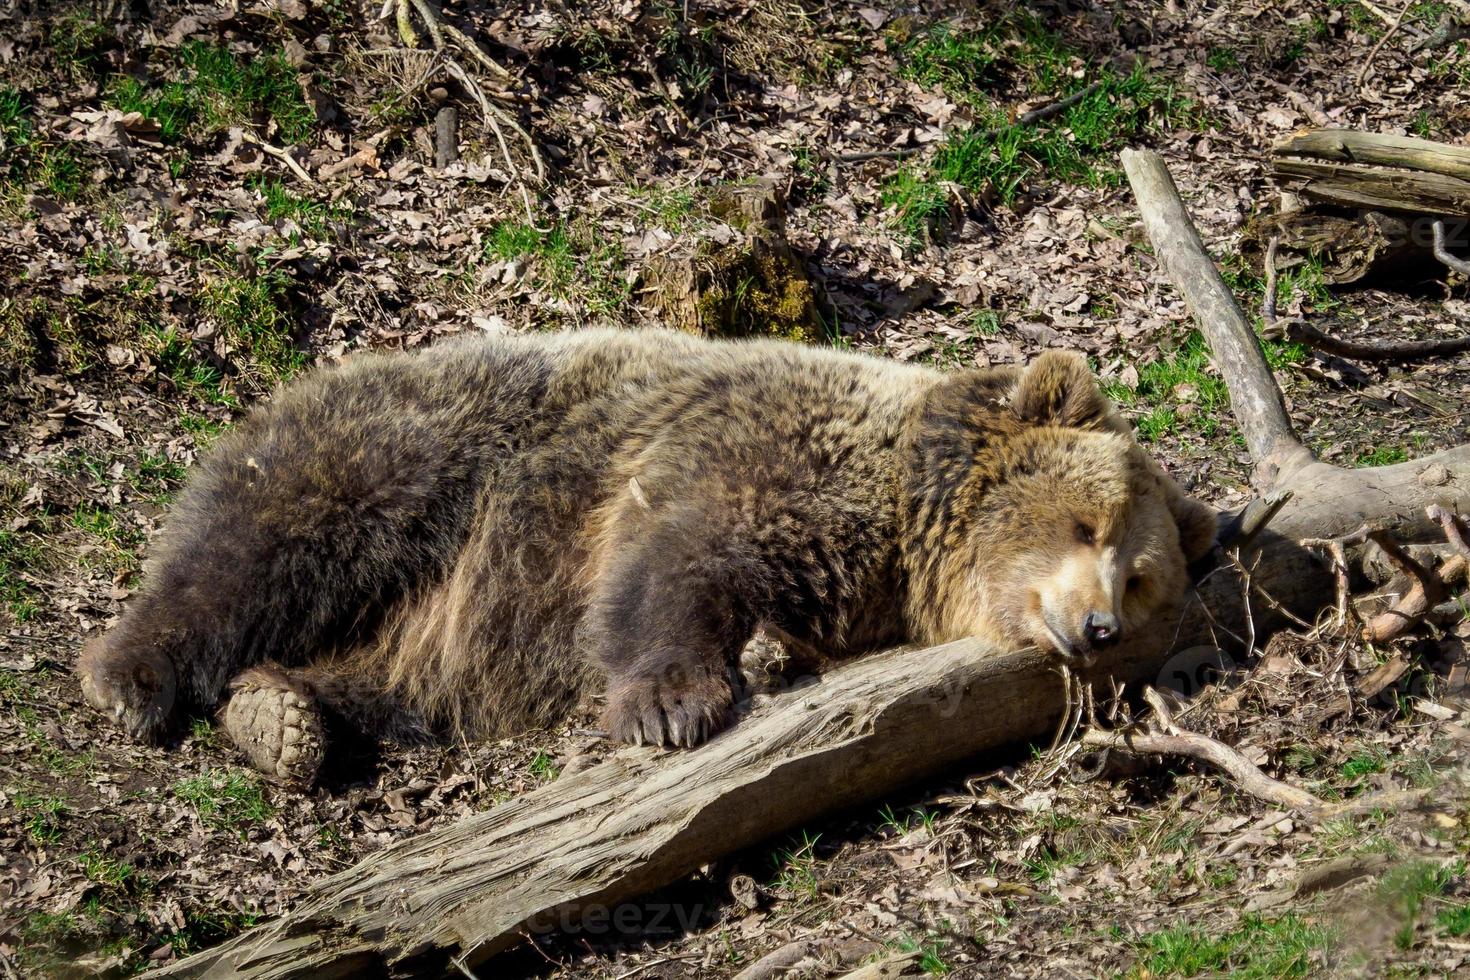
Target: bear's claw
{"x":277,"y":725}
{"x":668,"y":710}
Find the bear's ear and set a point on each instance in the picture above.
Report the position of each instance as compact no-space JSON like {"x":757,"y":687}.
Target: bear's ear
{"x":1198,"y":524}
{"x":1058,"y":389}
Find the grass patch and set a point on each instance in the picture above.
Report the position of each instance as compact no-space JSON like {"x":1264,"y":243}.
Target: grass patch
{"x":931,"y":959}
{"x":230,"y":799}
{"x":157,"y":477}
{"x":281,"y":204}
{"x":216,"y":89}
{"x":674,"y":209}
{"x":29,"y":161}
{"x":1454,"y":919}
{"x":544,"y":767}
{"x":1049,"y":862}
{"x":796,"y":866}
{"x":107,"y":871}
{"x":181,"y":364}
{"x":205,"y":927}
{"x":252,"y":315}
{"x":1360,"y":765}
{"x":203,"y":429}
{"x":1174,"y":389}
{"x":76,"y":41}
{"x":1405,"y":889}
{"x":566,"y":262}
{"x":1381,"y":456}
{"x":21,"y":553}
{"x":43,"y":815}
{"x":117,"y":542}
{"x":1257,"y":948}
{"x":1000,"y":160}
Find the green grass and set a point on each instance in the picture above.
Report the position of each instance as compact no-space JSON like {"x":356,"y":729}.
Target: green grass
{"x":1180,"y":377}
{"x":251,"y":312}
{"x":27,"y":160}
{"x":118,"y":542}
{"x":1223,"y":59}
{"x":76,"y":41}
{"x":214,"y":89}
{"x":21,"y":554}
{"x":1001,"y":160}
{"x":566,"y":262}
{"x":1048,"y":862}
{"x":674,"y":209}
{"x":1454,"y":919}
{"x":43,"y":815}
{"x":46,"y":753}
{"x":157,"y":477}
{"x":1381,"y":456}
{"x":105,"y":870}
{"x":1406,"y":888}
{"x":796,"y":866}
{"x":931,"y":959}
{"x":544,"y":767}
{"x":230,"y":799}
{"x":1360,"y":765}
{"x":204,"y":430}
{"x":185,"y":367}
{"x":204,"y":927}
{"x":1257,"y":948}
{"x":280,"y":203}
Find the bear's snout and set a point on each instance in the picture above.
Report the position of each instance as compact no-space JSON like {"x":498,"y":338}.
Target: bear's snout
{"x":1101,"y":630}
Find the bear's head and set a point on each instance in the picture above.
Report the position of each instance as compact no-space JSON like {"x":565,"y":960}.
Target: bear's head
{"x":1034,"y":518}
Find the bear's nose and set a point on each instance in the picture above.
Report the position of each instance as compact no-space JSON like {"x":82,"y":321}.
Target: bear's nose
{"x":1101,"y":629}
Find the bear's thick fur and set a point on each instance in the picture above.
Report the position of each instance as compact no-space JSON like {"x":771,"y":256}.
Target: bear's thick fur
{"x":476,"y":535}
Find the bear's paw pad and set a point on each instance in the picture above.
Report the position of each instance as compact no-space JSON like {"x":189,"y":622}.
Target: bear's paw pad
{"x":279,"y":729}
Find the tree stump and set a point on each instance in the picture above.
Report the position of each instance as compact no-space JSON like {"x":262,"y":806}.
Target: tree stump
{"x":733,"y":274}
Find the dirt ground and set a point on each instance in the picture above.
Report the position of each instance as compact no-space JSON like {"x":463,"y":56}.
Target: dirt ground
{"x":162,"y":272}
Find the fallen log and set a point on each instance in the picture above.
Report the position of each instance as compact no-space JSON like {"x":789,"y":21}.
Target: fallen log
{"x":1393,"y":498}
{"x":1371,"y":201}
{"x":582,"y":849}
{"x":1366,"y":186}
{"x":590,"y":842}
{"x":1380,"y":149}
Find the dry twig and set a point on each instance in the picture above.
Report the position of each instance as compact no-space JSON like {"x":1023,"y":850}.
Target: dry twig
{"x":1392,"y":30}
{"x":1170,"y":739}
{"x":1459,"y":265}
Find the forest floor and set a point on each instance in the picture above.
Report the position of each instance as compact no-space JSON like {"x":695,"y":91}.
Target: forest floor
{"x":162,"y":272}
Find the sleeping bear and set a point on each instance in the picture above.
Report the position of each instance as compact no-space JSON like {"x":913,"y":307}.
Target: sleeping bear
{"x":475,"y":536}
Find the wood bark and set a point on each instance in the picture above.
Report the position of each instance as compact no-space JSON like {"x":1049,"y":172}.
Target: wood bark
{"x":587,"y":845}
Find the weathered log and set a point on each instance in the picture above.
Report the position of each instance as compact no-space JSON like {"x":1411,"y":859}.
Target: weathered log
{"x":1365,"y":186}
{"x":586,"y":846}
{"x":1382,"y":149}
{"x":582,"y":847}
{"x":1392,"y":188}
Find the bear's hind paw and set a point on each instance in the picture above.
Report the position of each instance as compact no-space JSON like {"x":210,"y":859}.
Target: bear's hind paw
{"x":278,"y":725}
{"x":135,"y":687}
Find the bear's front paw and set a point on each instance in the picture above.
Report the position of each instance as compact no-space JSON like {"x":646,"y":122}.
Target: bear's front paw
{"x":673,"y":707}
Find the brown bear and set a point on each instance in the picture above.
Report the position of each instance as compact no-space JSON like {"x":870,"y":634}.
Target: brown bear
{"x":475,"y":536}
